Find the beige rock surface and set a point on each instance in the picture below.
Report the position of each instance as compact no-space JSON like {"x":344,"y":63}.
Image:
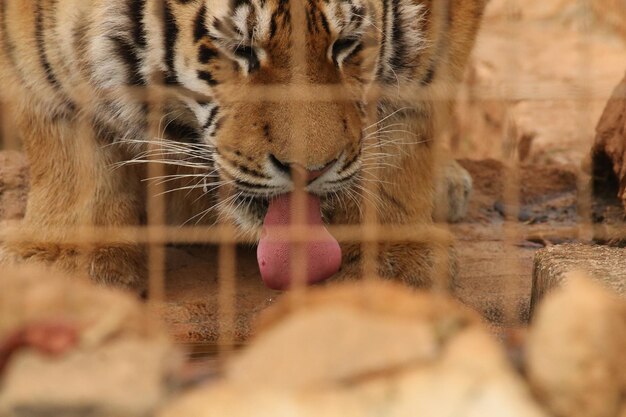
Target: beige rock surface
{"x":541,"y":74}
{"x":410,"y":355}
{"x":613,"y":12}
{"x":34,"y":294}
{"x":575,"y":353}
{"x":119,"y":368}
{"x":350,"y":326}
{"x":553,"y":265}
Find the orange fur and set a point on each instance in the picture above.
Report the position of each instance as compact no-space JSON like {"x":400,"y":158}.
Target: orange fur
{"x":49,"y":60}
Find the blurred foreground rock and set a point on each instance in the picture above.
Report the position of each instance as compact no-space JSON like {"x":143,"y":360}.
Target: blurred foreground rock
{"x":575,"y":355}
{"x":120,"y":366}
{"x":357,"y":350}
{"x":553,"y":265}
{"x":612,"y":12}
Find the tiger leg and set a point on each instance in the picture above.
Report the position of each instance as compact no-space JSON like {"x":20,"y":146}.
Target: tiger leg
{"x":73,"y":185}
{"x":403,"y":192}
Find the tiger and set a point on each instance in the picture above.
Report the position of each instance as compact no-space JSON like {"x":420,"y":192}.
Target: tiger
{"x":100,"y":90}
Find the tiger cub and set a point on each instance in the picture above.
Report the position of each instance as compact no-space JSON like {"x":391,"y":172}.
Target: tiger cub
{"x":230,"y":96}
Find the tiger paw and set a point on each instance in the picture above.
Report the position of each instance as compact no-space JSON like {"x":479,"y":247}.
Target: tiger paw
{"x":453,"y":193}
{"x":419,"y":265}
{"x":120,"y":266}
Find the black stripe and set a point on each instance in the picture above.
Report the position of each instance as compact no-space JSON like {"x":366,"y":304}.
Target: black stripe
{"x":206,"y":54}
{"x":137,"y":8}
{"x":341,"y":45}
{"x":273,"y":25}
{"x":325,"y":23}
{"x":252,"y":186}
{"x":439,"y":47}
{"x":43,"y":57}
{"x":127,"y":53}
{"x":171,"y":35}
{"x":352,"y":53}
{"x":348,"y":165}
{"x":397,"y":40}
{"x":249,"y":54}
{"x":357,"y":15}
{"x":309,"y":23}
{"x":211,"y":118}
{"x":251,"y":171}
{"x":385,"y":29}
{"x":430,"y":75}
{"x":182,"y":132}
{"x":41,"y":47}
{"x":206,"y":76}
{"x":200,"y":30}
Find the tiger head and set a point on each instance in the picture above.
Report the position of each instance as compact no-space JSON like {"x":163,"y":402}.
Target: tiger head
{"x":287,"y":88}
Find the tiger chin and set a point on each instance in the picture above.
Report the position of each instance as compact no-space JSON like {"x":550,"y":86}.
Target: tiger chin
{"x":84,"y":81}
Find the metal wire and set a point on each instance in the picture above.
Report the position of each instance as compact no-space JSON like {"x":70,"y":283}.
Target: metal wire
{"x":370,"y":233}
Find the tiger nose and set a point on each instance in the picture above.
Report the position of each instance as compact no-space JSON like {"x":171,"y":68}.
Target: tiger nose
{"x":310,"y":175}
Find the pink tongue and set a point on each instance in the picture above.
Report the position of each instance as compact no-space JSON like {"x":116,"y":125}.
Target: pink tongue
{"x":323,"y":256}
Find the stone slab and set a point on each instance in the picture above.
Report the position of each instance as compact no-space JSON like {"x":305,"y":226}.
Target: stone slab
{"x":552,"y":265}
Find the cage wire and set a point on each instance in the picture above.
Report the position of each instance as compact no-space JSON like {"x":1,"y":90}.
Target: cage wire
{"x":370,"y":233}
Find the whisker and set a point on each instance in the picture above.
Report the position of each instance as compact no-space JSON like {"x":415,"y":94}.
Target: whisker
{"x":203,"y":213}
{"x":388,"y":116}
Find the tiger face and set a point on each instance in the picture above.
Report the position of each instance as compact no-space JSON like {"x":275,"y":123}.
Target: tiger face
{"x":260,"y":71}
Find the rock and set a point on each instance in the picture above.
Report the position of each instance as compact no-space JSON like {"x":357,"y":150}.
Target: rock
{"x":522,"y":97}
{"x":595,"y":12}
{"x":575,"y":353}
{"x":123,"y":378}
{"x":609,"y":149}
{"x":354,"y":350}
{"x":553,"y":264}
{"x":314,"y":340}
{"x":612,"y":12}
{"x":120,"y":366}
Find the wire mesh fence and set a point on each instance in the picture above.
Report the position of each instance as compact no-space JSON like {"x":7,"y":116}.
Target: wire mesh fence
{"x":165,"y":166}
